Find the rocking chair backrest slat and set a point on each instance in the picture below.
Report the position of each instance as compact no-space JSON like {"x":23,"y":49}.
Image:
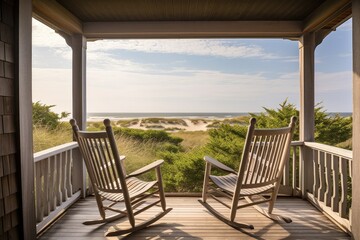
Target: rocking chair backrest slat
{"x":264,"y":156}
{"x":101,"y":159}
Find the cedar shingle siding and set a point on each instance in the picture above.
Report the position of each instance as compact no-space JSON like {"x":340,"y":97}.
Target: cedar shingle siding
{"x":9,"y":202}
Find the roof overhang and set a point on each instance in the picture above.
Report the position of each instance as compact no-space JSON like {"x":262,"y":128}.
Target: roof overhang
{"x":88,"y":18}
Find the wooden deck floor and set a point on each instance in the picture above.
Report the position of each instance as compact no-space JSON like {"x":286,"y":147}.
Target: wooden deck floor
{"x":190,"y":220}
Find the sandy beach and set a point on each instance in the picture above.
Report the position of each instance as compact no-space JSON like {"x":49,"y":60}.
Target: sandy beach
{"x":170,"y":124}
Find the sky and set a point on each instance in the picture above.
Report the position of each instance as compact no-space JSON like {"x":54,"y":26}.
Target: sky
{"x":191,"y":75}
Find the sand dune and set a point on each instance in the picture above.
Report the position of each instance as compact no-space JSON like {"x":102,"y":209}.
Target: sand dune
{"x":172,"y":124}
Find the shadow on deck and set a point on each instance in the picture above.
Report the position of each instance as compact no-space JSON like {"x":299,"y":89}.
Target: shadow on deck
{"x":190,"y":220}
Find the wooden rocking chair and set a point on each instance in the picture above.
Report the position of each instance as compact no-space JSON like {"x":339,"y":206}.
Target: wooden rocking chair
{"x":262,"y":163}
{"x":111,"y":183}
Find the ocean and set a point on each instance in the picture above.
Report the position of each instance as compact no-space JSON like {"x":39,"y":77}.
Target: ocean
{"x":204,"y":115}
{"x":210,"y":115}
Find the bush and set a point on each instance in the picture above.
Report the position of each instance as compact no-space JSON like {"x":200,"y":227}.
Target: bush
{"x":183,"y":171}
{"x":147,"y":135}
{"x":226,"y":144}
{"x":329,"y":129}
{"x":280,"y":117}
{"x":44,"y":117}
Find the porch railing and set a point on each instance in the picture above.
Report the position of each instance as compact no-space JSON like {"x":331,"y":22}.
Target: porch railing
{"x":54,"y":182}
{"x":332,"y":182}
{"x":291,"y":176}
{"x":57,"y":185}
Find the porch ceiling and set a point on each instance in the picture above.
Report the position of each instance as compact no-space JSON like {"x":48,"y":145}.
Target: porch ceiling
{"x":192,"y":18}
{"x":194,"y":10}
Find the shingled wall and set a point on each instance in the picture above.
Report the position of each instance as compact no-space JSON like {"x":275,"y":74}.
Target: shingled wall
{"x":9,"y":202}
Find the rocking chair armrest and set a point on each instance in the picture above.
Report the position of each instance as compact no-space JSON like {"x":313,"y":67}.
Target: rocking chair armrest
{"x":146,"y":168}
{"x":218,"y":164}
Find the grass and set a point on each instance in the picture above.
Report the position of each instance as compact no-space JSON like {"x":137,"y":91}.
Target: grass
{"x":155,"y":126}
{"x":138,"y":153}
{"x":198,"y":120}
{"x":127,"y":123}
{"x":241,"y":120}
{"x":44,"y":138}
{"x":192,"y":140}
{"x":173,"y":121}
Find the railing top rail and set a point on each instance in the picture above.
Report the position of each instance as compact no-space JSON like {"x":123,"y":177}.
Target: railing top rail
{"x":54,"y":150}
{"x":330,"y":149}
{"x":297,"y":143}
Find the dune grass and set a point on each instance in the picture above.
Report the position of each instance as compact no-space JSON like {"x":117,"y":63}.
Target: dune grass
{"x":193,"y":139}
{"x":138,"y":153}
{"x":44,"y":138}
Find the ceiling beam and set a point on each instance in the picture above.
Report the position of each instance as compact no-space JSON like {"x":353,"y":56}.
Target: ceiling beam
{"x":327,"y":11}
{"x":51,"y":13}
{"x":192,"y":29}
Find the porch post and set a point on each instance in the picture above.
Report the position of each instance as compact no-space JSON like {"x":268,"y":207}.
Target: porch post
{"x":24,"y":121}
{"x":78,"y":45}
{"x":355,"y":216}
{"x":307,"y":116}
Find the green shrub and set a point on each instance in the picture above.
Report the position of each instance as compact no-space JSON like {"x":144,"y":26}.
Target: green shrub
{"x":44,"y":117}
{"x":147,"y":135}
{"x":226,"y":143}
{"x":183,"y":171}
{"x":329,"y":129}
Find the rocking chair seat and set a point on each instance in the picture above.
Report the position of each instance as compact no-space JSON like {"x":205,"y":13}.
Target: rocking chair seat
{"x":228,"y":184}
{"x":136,"y":187}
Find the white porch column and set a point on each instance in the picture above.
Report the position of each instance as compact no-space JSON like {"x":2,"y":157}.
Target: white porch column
{"x":307,"y":104}
{"x":355,"y":218}
{"x":78,"y":45}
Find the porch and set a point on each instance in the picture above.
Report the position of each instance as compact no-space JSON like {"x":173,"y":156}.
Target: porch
{"x":190,"y":220}
{"x":325,"y":176}
{"x":320,"y":212}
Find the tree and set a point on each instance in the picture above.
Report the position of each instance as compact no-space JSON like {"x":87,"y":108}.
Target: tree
{"x":44,"y":117}
{"x":280,"y":117}
{"x":329,"y":129}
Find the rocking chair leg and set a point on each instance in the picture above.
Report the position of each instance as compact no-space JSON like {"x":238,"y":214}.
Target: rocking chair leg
{"x":219,"y":216}
{"x":272,"y":216}
{"x":105,"y":220}
{"x":206,"y":181}
{"x":161,"y":189}
{"x":137,"y":227}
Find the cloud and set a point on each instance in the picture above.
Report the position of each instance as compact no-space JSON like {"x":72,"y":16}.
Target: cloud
{"x":345,"y":55}
{"x":201,"y":91}
{"x":332,"y":82}
{"x":53,"y":86}
{"x":334,"y":91}
{"x":107,"y":61}
{"x":194,"y":47}
{"x":104,"y":54}
{"x":197,"y":91}
{"x":43,"y":36}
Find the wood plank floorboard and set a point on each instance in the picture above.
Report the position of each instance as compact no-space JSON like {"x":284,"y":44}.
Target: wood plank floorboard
{"x":190,"y":220}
